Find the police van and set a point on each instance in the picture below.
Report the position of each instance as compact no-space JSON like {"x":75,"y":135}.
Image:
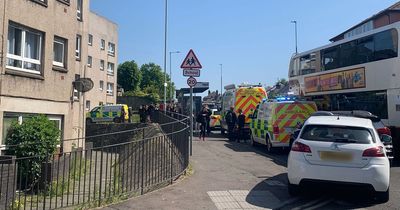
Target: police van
{"x":273,"y":122}
{"x":108,"y":113}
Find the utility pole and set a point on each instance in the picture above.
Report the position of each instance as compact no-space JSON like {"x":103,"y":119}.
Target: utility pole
{"x":221,"y":81}
{"x":165,"y":55}
{"x":170,"y":73}
{"x":295,"y":33}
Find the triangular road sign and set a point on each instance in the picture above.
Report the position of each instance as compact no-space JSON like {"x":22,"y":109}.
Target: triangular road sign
{"x":191,"y":61}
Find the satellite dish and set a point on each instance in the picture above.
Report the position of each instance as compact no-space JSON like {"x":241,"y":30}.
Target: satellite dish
{"x":83,"y":84}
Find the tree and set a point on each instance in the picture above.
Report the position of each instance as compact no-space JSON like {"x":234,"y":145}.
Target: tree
{"x":153,"y":80}
{"x":129,"y":75}
{"x":36,"y":140}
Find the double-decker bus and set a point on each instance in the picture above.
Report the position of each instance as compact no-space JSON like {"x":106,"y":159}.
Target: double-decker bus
{"x":357,"y":73}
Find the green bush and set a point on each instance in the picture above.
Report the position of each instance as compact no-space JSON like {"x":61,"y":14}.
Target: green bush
{"x":36,"y":138}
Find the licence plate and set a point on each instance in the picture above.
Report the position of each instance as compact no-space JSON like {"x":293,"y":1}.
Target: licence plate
{"x":336,"y":156}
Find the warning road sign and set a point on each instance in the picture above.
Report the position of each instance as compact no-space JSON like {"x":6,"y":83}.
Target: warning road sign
{"x":191,"y":61}
{"x":191,"y":81}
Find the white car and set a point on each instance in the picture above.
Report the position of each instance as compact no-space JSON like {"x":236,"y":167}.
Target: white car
{"x":339,"y":150}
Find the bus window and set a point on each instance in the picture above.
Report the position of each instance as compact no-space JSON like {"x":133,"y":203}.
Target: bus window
{"x":385,"y":44}
{"x":308,"y":64}
{"x":330,"y":58}
{"x":365,"y":50}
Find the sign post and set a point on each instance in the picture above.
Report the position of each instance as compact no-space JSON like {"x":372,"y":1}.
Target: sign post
{"x":191,"y":68}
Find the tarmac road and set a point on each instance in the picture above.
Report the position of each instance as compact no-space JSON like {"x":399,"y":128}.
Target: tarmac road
{"x":230,"y":175}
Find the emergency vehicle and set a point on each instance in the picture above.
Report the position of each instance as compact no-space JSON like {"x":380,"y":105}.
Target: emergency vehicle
{"x":108,"y":113}
{"x":215,"y":119}
{"x":273,"y":122}
{"x":244,"y":97}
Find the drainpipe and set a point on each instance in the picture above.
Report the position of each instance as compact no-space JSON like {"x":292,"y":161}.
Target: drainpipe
{"x":2,"y":47}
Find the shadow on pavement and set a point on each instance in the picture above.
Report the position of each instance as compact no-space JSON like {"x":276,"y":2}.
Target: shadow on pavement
{"x":278,"y":157}
{"x":269,"y":193}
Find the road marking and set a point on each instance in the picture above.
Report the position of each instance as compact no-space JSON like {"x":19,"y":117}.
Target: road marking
{"x":243,"y":199}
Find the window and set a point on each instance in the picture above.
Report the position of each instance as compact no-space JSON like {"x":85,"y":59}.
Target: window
{"x":102,"y":65}
{"x":60,"y":52}
{"x":330,"y":58}
{"x":111,"y":48}
{"x":90,"y":39}
{"x":24,"y":51}
{"x":101,"y":103}
{"x":42,"y":2}
{"x":308,"y":64}
{"x":101,"y":85}
{"x":87,"y":105}
{"x":89,"y":61}
{"x":78,"y":47}
{"x":79,"y":10}
{"x":110,"y":68}
{"x":76,"y":93}
{"x":110,"y":89}
{"x":103,"y":44}
{"x":380,"y":46}
{"x":332,"y":133}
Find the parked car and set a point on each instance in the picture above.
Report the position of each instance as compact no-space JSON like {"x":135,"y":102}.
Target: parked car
{"x":116,"y":113}
{"x":376,"y":121}
{"x":341,"y":150}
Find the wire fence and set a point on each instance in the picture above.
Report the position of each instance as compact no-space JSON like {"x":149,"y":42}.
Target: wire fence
{"x":110,"y":167}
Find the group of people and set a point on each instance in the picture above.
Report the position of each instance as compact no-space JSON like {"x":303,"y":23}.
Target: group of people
{"x":234,"y":122}
{"x":146,"y":113}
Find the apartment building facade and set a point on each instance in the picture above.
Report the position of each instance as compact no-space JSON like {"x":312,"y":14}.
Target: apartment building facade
{"x":43,"y":51}
{"x":102,"y":61}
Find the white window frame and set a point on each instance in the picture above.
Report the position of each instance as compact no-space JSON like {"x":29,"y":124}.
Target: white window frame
{"x":102,"y":64}
{"x":111,"y":48}
{"x":79,"y":8}
{"x":102,"y":44}
{"x":89,"y":61}
{"x":21,"y":57}
{"x":110,"y":71}
{"x":110,"y":91}
{"x":90,"y":40}
{"x":55,"y":63}
{"x":86,"y":105}
{"x":78,"y":51}
{"x":101,"y":85}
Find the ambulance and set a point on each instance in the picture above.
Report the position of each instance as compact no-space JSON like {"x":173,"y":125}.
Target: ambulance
{"x":273,"y":122}
{"x":244,"y":97}
{"x":108,"y":113}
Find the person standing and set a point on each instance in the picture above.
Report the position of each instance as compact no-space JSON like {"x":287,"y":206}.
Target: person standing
{"x":231,"y":119}
{"x":208,"y":118}
{"x":202,"y":119}
{"x":241,"y":121}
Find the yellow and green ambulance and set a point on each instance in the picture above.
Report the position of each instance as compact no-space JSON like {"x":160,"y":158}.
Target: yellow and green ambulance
{"x":116,"y":113}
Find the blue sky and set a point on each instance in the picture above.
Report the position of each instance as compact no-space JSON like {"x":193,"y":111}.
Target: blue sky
{"x":253,"y":39}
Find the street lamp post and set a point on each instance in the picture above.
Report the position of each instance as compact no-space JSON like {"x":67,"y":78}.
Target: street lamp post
{"x":295,"y":32}
{"x":165,"y":55}
{"x":221,"y":81}
{"x":170,"y":73}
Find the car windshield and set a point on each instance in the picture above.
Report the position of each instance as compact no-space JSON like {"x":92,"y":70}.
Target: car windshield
{"x":343,"y":134}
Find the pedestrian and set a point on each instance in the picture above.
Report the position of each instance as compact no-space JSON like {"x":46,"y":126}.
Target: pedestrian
{"x":230,"y":119}
{"x":142,"y":114}
{"x":122,"y":117}
{"x":241,"y":121}
{"x":130,"y":114}
{"x":201,"y":118}
{"x":147,"y":111}
{"x":208,"y":118}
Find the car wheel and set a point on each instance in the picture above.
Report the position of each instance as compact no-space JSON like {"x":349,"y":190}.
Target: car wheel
{"x":89,"y":121}
{"x":269,"y":145}
{"x":252,"y":142}
{"x":222,"y":131}
{"x":382,"y":197}
{"x":293,"y":189}
{"x":117,"y":120}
